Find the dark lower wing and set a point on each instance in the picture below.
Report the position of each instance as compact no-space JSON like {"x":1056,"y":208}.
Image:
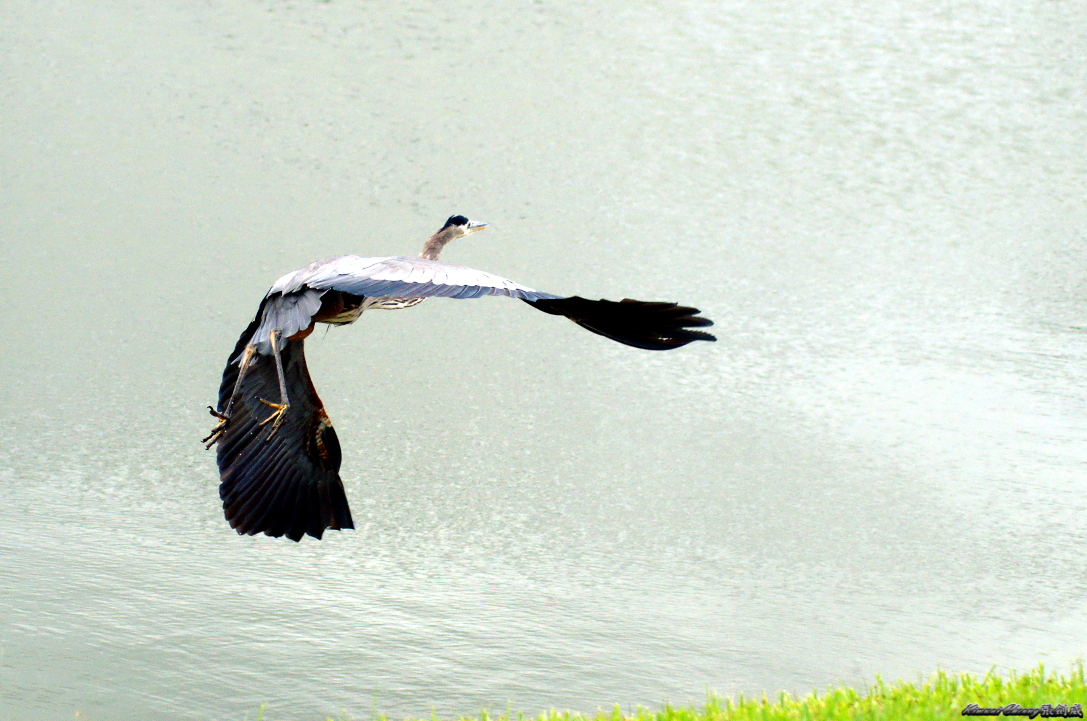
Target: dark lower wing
{"x":288,"y":485}
{"x":648,"y":325}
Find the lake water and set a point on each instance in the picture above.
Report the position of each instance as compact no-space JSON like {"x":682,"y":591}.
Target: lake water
{"x":880,"y":468}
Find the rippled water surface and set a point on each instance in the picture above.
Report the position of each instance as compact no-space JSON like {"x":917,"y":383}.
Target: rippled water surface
{"x":880,"y":468}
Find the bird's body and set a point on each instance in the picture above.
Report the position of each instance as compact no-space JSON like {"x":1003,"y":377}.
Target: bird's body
{"x":279,"y":462}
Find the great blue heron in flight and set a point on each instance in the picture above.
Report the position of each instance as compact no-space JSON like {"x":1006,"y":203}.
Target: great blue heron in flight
{"x":279,"y":462}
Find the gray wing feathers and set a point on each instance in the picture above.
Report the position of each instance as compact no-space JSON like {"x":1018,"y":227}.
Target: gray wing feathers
{"x":400,"y":277}
{"x":287,"y":314}
{"x":316,"y":274}
{"x":293,"y":300}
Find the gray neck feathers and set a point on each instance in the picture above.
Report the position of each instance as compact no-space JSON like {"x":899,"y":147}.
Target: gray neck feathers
{"x":433,"y":247}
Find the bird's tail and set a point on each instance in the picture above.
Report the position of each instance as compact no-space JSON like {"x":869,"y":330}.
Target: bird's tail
{"x":638,"y":323}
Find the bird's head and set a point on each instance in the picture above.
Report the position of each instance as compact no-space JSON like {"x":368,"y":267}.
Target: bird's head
{"x":456,"y":227}
{"x":461,"y":226}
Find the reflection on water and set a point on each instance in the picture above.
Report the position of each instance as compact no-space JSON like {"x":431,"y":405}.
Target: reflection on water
{"x":877,"y":470}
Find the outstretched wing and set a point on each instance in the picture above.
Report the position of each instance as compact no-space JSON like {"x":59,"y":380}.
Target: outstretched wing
{"x":288,"y":484}
{"x":294,"y":298}
{"x":400,"y":277}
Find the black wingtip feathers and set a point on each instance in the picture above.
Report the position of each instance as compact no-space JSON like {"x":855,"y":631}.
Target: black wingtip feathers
{"x":643,"y":324}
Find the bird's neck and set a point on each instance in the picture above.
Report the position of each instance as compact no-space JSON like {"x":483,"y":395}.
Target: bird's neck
{"x":433,"y":247}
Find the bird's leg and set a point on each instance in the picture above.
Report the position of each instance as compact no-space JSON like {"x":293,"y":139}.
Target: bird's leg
{"x":224,"y":417}
{"x":276,"y":419}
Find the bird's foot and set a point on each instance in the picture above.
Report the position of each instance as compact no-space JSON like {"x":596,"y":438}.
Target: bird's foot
{"x":276,"y":419}
{"x":217,"y":432}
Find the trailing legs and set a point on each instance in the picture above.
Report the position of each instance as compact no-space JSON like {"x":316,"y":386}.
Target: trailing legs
{"x":276,"y":419}
{"x":224,"y":417}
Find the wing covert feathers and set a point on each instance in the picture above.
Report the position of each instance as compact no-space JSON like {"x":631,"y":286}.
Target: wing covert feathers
{"x":638,"y":323}
{"x":399,"y":277}
{"x":288,"y":485}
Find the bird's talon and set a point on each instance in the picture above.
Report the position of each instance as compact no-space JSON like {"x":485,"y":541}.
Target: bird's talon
{"x":276,"y":419}
{"x":217,"y":432}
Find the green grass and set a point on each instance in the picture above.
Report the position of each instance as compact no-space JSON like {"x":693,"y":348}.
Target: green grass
{"x":943,"y":696}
